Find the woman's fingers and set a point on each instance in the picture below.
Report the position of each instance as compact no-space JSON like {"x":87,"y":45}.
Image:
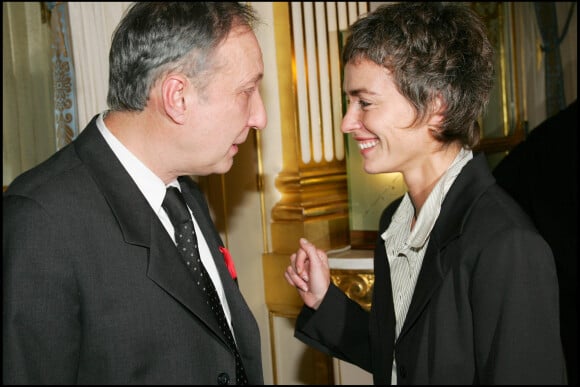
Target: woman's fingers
{"x":317,"y":256}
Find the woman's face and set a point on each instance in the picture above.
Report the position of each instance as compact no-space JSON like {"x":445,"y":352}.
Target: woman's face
{"x":381,"y":121}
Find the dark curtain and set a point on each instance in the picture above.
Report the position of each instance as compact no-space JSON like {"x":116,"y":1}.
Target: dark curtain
{"x":548,"y":25}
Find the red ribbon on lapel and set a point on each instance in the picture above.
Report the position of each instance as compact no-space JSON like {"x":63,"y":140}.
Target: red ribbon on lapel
{"x":229,"y":262}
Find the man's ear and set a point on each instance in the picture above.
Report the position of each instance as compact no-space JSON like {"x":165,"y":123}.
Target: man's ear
{"x":174,"y":99}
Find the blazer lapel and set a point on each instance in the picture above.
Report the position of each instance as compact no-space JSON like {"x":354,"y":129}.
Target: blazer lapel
{"x":471,"y":182}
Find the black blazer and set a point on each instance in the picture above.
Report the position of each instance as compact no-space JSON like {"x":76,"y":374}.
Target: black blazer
{"x":485,"y":308}
{"x":94,"y":289}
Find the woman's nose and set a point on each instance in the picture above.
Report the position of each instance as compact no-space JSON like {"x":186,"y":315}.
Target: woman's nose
{"x":350,"y":120}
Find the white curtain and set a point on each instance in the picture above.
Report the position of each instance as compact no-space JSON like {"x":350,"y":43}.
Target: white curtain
{"x":28,"y":135}
{"x":92,"y":25}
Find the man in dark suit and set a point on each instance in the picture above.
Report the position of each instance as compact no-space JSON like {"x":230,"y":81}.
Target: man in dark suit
{"x":94,"y":288}
{"x":541,"y":173}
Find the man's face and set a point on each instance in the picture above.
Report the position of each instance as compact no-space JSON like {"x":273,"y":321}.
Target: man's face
{"x":223,"y":113}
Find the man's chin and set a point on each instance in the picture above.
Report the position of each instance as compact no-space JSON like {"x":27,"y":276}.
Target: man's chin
{"x":224,"y":166}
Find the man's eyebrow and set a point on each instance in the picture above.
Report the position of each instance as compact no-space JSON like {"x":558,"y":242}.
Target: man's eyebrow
{"x":251,"y":82}
{"x":257,"y":78}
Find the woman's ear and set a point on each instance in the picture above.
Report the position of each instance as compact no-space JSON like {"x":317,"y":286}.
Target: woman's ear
{"x":173,"y":89}
{"x":437,"y":115}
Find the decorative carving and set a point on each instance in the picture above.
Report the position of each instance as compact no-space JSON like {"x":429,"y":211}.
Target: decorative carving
{"x":356,"y":284}
{"x":65,"y":105}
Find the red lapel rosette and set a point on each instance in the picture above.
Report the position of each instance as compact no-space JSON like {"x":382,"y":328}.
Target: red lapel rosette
{"x":229,"y":262}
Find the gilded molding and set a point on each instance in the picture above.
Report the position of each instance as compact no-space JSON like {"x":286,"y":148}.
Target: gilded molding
{"x":313,"y":191}
{"x":356,"y":284}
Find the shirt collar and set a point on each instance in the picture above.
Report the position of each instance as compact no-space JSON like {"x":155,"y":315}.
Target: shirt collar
{"x":150,"y":185}
{"x":430,"y":210}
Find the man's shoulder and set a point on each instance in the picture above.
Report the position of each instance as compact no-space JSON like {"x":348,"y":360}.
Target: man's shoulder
{"x":54,"y":172}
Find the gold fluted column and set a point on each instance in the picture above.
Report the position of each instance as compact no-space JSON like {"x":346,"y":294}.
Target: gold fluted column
{"x":314,"y":201}
{"x":313,"y":204}
{"x":314,"y":194}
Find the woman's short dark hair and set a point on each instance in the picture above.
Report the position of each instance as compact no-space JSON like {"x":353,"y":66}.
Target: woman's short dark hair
{"x":433,"y":50}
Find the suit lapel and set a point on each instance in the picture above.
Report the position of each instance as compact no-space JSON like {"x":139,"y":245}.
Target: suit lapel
{"x":126,"y":201}
{"x":140,"y":225}
{"x":167,"y":269}
{"x":473,"y":180}
{"x":242,"y":318}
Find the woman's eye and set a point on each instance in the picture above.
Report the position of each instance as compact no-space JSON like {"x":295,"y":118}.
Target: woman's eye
{"x":363,"y":104}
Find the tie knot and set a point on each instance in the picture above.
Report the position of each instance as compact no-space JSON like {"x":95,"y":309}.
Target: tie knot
{"x":175,"y":206}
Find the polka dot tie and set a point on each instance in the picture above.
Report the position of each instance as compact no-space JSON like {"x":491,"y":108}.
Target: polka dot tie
{"x":186,"y":241}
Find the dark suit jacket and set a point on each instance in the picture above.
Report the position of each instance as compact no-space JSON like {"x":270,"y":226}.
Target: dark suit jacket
{"x":485,"y":308}
{"x":94,"y":289}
